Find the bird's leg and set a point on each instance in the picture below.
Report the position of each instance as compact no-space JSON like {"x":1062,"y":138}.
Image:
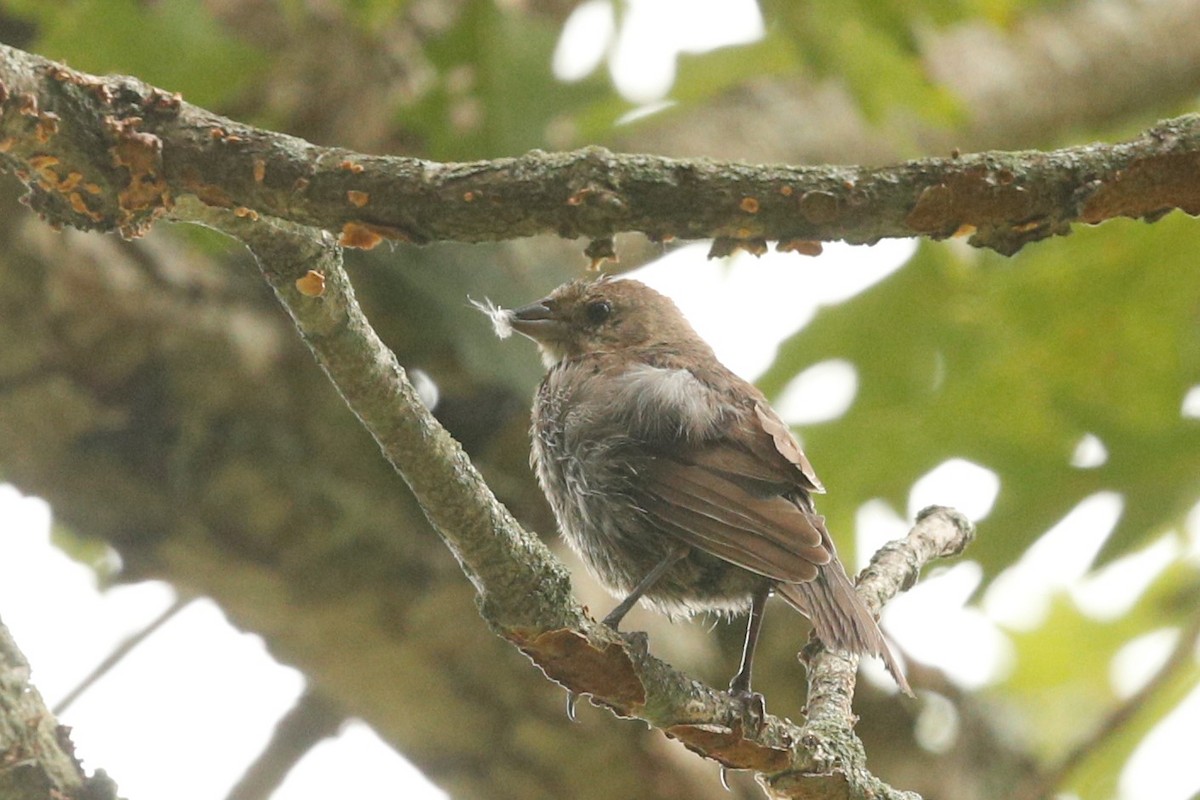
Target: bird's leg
{"x":617,"y":614}
{"x":739,"y":687}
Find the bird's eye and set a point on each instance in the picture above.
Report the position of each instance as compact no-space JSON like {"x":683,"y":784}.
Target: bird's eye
{"x":598,"y":310}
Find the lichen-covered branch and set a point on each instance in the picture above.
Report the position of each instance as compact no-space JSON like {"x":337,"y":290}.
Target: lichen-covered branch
{"x":115,"y":154}
{"x":524,"y":591}
{"x":37,"y":758}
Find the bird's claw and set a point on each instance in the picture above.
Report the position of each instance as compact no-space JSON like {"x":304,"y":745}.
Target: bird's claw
{"x":753,"y":708}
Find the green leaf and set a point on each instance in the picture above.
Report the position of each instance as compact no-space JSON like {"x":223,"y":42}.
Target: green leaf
{"x":872,"y":47}
{"x":1009,"y":363}
{"x":173,"y":44}
{"x":1061,"y":681}
{"x":496,"y":94}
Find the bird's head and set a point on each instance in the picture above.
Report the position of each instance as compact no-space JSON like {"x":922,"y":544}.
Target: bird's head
{"x":599,"y":316}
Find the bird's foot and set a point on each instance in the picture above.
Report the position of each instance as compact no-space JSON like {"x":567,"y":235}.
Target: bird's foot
{"x":572,"y":701}
{"x":753,"y":709}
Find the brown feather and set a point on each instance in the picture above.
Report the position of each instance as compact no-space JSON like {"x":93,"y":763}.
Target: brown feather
{"x":768,"y":535}
{"x":787,"y":446}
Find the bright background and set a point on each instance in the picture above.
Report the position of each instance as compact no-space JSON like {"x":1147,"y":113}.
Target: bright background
{"x":173,"y":694}
{"x":199,"y":669}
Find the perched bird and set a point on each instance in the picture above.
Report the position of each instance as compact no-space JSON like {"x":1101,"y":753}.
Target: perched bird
{"x":671,"y":477}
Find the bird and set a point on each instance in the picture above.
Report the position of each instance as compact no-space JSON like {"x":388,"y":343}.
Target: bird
{"x":673,"y":478}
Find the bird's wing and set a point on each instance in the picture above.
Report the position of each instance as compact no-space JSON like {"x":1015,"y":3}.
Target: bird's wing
{"x":727,"y":502}
{"x":785,"y":444}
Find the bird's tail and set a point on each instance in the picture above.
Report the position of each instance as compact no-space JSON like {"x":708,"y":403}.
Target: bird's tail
{"x":840,"y":617}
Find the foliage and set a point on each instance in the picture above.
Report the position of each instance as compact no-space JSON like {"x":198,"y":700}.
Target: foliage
{"x":1009,"y":363}
{"x":1006,"y":362}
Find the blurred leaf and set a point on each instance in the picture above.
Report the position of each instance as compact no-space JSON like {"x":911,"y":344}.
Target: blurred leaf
{"x":1098,"y":776}
{"x":1008,"y":363}
{"x":173,"y":44}
{"x":1061,"y":682}
{"x":91,"y":552}
{"x":701,"y":76}
{"x":496,"y":93}
{"x":872,"y":47}
{"x":372,"y":15}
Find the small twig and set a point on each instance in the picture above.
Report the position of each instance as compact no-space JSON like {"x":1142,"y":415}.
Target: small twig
{"x":1116,"y":719}
{"x":311,"y":720}
{"x":119,"y":653}
{"x":939,"y":532}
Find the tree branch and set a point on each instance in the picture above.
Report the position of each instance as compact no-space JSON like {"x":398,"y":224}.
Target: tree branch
{"x":524,"y":591}
{"x":116,"y":154}
{"x":1180,"y":658}
{"x":310,"y":721}
{"x":37,"y":758}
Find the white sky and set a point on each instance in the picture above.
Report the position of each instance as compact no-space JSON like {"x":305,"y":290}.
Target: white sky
{"x":197,"y":673}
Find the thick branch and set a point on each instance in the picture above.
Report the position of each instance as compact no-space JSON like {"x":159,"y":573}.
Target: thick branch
{"x":525,"y":592}
{"x":37,"y":758}
{"x":114,"y":153}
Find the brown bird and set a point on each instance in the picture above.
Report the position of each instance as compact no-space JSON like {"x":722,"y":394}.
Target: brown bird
{"x":671,"y":477}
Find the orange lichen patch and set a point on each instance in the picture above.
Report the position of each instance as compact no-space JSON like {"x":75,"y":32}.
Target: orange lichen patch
{"x":786,"y":191}
{"x":570,"y":659}
{"x":965,"y":229}
{"x":350,"y":166}
{"x":973,"y":196}
{"x":260,"y":170}
{"x":749,"y":205}
{"x":596,"y":196}
{"x":47,"y":126}
{"x":724,"y":246}
{"x":79,"y":206}
{"x":147,"y":195}
{"x":233,"y":138}
{"x":49,"y":181}
{"x":211,"y":195}
{"x":216,"y":133}
{"x":364,"y":235}
{"x":358,"y":198}
{"x":96,"y":86}
{"x":158,"y":100}
{"x":729,"y":747}
{"x":69,"y":183}
{"x":312,"y":284}
{"x":469,"y":197}
{"x":245,"y":213}
{"x":6,"y":144}
{"x":92,"y":188}
{"x":42,"y":162}
{"x":599,"y":251}
{"x":101,"y":91}
{"x":1147,"y":187}
{"x":805,"y":247}
{"x":27,"y":104}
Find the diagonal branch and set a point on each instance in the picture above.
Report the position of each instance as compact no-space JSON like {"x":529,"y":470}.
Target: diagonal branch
{"x":37,"y":757}
{"x":524,"y":591}
{"x":116,"y":154}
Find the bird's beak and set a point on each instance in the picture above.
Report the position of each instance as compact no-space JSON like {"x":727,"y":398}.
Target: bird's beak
{"x":537,"y":321}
